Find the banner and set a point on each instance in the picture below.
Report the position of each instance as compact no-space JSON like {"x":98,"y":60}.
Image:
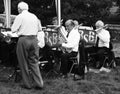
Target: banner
{"x":51,"y":37}
{"x":54,"y":37}
{"x":88,"y":36}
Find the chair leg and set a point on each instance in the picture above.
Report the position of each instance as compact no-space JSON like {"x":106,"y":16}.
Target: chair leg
{"x":112,"y":64}
{"x":71,"y":68}
{"x":104,"y":62}
{"x":74,"y":77}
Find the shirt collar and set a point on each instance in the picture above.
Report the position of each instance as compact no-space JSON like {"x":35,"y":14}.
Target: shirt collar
{"x":24,"y":11}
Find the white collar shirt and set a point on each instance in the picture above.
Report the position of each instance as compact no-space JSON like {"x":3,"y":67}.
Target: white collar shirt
{"x":72,"y":40}
{"x":63,"y":31}
{"x":26,"y":23}
{"x":62,"y":34}
{"x":104,"y":38}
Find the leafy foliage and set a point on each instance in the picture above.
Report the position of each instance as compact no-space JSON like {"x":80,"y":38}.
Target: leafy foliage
{"x":85,"y":11}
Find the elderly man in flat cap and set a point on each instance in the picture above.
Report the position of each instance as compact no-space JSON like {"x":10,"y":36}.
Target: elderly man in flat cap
{"x":102,"y":46}
{"x":27,"y":25}
{"x":71,"y":46}
{"x":103,"y":41}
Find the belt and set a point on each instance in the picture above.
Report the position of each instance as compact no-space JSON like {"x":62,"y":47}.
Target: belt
{"x":28,"y":36}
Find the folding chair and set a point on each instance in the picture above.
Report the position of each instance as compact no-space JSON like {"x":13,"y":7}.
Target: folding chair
{"x":109,"y":60}
{"x":75,"y":63}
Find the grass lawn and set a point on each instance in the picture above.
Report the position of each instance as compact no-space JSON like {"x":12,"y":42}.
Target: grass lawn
{"x":94,"y":83}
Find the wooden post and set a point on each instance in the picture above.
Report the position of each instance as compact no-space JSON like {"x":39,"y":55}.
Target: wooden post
{"x":58,"y":10}
{"x":7,"y":5}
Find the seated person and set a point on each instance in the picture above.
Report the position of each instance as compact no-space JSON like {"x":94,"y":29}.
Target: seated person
{"x":102,"y":43}
{"x":73,"y":38}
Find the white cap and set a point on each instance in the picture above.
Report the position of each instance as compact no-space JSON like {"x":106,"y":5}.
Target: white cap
{"x":23,"y":6}
{"x":99,"y":23}
{"x":76,"y":22}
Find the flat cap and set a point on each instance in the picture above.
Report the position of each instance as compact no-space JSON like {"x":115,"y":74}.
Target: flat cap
{"x":23,"y":6}
{"x":99,"y":23}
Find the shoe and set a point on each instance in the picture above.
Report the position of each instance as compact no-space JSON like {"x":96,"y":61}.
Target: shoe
{"x":78,"y":77}
{"x":94,"y":70}
{"x":104,"y":69}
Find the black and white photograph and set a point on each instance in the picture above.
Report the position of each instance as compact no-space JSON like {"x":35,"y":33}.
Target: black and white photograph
{"x":59,"y":47}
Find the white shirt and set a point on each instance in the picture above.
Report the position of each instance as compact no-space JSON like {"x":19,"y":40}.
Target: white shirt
{"x":26,"y":23}
{"x":73,"y":40}
{"x":41,"y":39}
{"x":63,"y":31}
{"x":104,"y":38}
{"x":62,"y":34}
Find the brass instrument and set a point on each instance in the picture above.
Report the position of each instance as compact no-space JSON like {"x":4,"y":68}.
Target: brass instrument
{"x":5,"y":38}
{"x":104,"y":27}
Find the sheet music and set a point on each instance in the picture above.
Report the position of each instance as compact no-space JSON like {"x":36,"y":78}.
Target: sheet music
{"x":10,"y":33}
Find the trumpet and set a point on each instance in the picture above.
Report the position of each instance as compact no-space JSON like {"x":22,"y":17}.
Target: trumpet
{"x":104,"y":27}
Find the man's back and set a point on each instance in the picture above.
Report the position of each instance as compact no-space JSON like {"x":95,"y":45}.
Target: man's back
{"x":104,"y":38}
{"x":26,"y":23}
{"x":29,"y":23}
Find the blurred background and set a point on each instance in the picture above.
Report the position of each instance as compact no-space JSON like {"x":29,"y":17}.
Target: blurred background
{"x":85,"y":11}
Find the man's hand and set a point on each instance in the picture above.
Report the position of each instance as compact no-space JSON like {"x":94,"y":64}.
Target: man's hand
{"x":11,"y":34}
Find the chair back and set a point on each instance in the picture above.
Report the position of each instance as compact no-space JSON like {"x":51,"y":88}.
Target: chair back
{"x":110,"y":46}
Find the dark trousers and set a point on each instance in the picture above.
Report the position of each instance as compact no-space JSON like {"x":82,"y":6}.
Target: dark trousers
{"x":28,"y":55}
{"x":90,"y":50}
{"x":98,"y":54}
{"x":57,"y":58}
{"x":82,"y":60}
{"x":65,"y":61}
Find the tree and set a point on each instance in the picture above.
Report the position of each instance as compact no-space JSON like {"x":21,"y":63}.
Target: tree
{"x":1,"y":6}
{"x":85,"y":11}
